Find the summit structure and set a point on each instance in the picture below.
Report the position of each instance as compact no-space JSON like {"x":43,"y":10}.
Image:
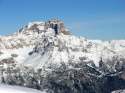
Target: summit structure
{"x":39,"y":27}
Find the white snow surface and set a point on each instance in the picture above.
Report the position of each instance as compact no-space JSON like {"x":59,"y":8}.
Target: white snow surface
{"x":119,"y":91}
{"x":17,"y":89}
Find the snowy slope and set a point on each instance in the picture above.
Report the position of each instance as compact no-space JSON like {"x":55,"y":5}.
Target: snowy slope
{"x":17,"y":89}
{"x":119,"y":91}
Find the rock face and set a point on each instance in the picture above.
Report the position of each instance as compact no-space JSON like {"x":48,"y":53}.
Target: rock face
{"x":39,"y":27}
{"x":27,"y":35}
{"x":45,"y":56}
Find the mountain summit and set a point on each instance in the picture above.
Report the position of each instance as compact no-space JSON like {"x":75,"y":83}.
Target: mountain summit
{"x":28,"y":34}
{"x":49,"y":47}
{"x":39,"y":27}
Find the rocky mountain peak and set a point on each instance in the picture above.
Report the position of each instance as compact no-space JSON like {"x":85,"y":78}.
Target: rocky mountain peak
{"x":38,"y":27}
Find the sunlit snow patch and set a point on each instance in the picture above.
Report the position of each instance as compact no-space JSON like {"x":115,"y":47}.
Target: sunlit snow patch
{"x":17,"y":89}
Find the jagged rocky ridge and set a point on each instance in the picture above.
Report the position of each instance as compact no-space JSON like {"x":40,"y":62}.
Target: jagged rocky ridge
{"x":46,"y":56}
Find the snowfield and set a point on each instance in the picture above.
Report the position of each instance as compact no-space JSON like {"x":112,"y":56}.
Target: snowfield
{"x":17,"y":89}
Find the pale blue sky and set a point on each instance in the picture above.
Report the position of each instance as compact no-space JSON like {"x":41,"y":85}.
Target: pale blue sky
{"x":94,"y":19}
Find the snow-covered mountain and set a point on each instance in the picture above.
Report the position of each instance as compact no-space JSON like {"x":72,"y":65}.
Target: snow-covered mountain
{"x":37,"y":44}
{"x":48,"y":45}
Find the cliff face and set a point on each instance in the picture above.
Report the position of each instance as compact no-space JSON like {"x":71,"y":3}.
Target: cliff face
{"x":44,"y":55}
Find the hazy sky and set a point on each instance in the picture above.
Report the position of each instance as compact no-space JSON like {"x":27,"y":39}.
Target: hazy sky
{"x":94,"y":19}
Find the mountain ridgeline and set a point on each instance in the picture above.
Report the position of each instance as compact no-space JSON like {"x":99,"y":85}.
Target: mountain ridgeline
{"x":47,"y":57}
